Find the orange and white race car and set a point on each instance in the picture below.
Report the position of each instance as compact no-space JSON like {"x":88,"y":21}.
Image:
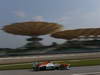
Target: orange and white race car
{"x":49,"y":66}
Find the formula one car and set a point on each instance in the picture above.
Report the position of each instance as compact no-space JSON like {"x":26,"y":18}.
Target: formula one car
{"x":49,"y":66}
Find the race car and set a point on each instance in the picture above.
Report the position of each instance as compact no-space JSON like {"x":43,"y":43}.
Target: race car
{"x":49,"y":66}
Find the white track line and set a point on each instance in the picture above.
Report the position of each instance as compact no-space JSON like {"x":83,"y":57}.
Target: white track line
{"x":87,"y":73}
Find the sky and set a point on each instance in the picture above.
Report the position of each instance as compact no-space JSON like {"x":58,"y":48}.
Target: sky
{"x":71,"y":14}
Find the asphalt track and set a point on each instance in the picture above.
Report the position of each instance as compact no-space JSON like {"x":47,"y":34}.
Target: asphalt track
{"x":28,"y":59}
{"x":89,"y":70}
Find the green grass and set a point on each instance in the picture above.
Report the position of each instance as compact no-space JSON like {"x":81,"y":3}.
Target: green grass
{"x":84,"y":62}
{"x":16,"y":66}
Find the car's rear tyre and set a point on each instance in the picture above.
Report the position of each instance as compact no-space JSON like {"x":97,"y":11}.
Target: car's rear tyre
{"x":43,"y":68}
{"x":35,"y":68}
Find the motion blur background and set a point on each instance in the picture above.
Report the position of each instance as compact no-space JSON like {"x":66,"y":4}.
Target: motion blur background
{"x":70,"y":13}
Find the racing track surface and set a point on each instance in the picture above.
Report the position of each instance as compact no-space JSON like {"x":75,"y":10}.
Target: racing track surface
{"x":89,"y":70}
{"x":19,"y":59}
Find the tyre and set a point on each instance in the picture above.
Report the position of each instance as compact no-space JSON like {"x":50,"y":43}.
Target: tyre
{"x":43,"y":68}
{"x":36,"y":69}
{"x":61,"y":67}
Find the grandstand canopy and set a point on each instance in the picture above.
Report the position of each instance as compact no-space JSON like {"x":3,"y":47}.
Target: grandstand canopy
{"x":71,"y":34}
{"x":32,"y":28}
